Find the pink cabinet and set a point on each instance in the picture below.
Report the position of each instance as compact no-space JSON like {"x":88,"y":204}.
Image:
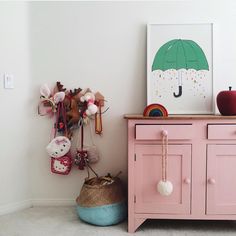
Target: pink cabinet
{"x":201,"y":167}
{"x":221,"y":178}
{"x":148,"y":173}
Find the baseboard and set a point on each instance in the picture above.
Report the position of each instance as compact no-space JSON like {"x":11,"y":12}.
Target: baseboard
{"x":53,"y":202}
{"x":16,"y":206}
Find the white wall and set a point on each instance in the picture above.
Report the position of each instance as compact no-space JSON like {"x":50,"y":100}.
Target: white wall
{"x":14,"y":104}
{"x":101,"y":45}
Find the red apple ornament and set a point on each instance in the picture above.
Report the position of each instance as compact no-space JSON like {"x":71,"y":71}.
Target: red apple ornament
{"x":226,"y":102}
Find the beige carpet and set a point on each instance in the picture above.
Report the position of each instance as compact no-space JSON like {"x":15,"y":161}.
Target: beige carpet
{"x":62,"y":221}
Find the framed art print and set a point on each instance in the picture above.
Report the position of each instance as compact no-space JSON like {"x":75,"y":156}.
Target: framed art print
{"x":179,"y":67}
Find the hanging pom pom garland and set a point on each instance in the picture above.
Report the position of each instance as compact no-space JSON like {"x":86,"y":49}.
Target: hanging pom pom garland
{"x":91,"y":107}
{"x":164,"y":186}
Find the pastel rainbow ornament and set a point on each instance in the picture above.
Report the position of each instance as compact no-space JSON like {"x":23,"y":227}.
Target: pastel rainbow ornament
{"x":155,"y":109}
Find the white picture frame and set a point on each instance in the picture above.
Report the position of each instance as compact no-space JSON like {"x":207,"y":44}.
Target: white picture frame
{"x":180,"y":67}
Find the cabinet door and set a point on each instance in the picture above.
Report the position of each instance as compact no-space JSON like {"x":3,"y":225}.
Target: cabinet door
{"x":221,"y":179}
{"x":148,"y":172}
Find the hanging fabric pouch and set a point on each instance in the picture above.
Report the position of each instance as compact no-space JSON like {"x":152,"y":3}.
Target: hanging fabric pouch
{"x":59,"y":147}
{"x":93,"y":154}
{"x":61,"y":165}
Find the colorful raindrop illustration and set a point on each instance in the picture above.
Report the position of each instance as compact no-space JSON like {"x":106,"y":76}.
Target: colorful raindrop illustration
{"x":178,"y":59}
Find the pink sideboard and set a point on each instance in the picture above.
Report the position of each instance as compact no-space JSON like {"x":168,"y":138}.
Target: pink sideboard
{"x":201,"y":166}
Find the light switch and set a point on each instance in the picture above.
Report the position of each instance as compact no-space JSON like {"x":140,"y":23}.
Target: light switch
{"x":8,"y":81}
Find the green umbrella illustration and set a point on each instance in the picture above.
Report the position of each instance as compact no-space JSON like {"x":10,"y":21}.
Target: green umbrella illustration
{"x":180,"y":54}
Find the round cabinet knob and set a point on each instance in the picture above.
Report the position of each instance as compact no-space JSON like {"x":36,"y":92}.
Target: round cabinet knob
{"x":187,"y":181}
{"x":164,"y":133}
{"x":211,"y":181}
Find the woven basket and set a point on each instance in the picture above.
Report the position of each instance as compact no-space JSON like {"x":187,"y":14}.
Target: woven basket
{"x":99,"y":192}
{"x":102,"y":201}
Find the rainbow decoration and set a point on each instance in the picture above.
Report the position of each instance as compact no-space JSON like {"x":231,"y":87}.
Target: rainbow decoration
{"x":155,"y":109}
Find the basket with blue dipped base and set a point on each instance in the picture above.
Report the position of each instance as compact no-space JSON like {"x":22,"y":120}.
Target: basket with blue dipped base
{"x":102,"y":201}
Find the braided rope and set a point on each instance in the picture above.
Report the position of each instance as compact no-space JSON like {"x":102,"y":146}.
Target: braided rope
{"x":164,"y":155}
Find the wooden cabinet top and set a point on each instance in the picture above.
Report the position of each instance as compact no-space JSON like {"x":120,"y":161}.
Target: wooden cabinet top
{"x":179,"y":117}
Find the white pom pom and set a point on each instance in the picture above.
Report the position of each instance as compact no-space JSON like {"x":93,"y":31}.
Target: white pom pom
{"x":82,"y":99}
{"x":165,"y":188}
{"x":92,"y":108}
{"x":88,"y":113}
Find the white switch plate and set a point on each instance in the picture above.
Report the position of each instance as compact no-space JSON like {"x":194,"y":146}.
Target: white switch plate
{"x":8,"y":81}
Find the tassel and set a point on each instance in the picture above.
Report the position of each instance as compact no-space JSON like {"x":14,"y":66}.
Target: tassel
{"x":98,"y":120}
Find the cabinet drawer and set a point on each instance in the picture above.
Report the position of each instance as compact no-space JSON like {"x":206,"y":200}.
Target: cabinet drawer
{"x":222,"y":131}
{"x":154,"y":132}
